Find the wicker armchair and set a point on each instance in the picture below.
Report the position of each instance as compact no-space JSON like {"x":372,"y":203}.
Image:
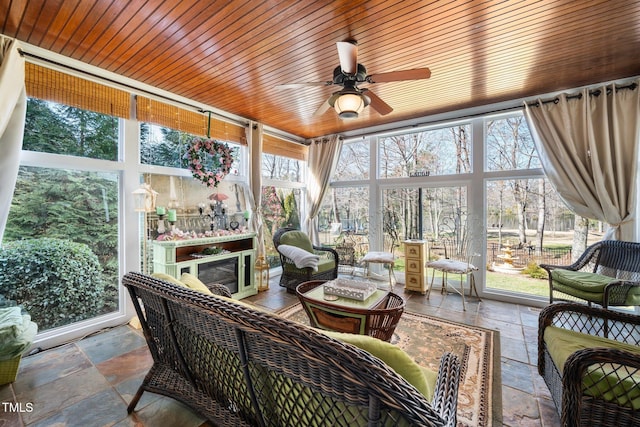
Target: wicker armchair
{"x":607,"y":273}
{"x":594,"y":381}
{"x":292,"y":276}
{"x":236,"y":365}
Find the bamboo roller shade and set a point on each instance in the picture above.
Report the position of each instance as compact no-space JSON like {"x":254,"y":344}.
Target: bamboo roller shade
{"x":280,"y":147}
{"x":52,"y":85}
{"x":192,"y":122}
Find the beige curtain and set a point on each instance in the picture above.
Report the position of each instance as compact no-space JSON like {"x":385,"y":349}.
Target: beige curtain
{"x":254,"y":139}
{"x":588,"y":146}
{"x":323,"y":157}
{"x":13,"y":108}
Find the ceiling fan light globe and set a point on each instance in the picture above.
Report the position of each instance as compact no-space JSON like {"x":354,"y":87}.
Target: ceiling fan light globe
{"x":349,"y":105}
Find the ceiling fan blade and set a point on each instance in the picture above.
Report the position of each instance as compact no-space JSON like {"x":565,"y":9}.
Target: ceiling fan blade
{"x":348,"y":54}
{"x":322,"y":109}
{"x":302,"y":84}
{"x":397,"y":76}
{"x":377,"y":103}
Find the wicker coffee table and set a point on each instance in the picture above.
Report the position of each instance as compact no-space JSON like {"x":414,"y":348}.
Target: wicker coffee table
{"x":376,"y":316}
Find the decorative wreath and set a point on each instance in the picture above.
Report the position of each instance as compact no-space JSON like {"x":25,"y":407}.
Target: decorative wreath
{"x":210,"y":152}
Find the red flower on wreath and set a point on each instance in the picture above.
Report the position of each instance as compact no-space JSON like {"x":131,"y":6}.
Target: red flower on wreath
{"x":205,"y":152}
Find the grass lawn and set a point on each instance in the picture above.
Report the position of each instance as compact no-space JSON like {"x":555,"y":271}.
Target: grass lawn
{"x":518,"y":283}
{"x":507,"y":282}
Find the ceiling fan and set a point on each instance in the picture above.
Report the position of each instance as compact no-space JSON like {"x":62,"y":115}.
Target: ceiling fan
{"x":351,"y":99}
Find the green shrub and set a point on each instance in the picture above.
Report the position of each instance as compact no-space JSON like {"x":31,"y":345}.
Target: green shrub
{"x":535,"y":271}
{"x":57,"y":281}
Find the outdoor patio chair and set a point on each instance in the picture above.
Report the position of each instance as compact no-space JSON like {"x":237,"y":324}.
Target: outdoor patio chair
{"x":301,"y":260}
{"x":607,"y":273}
{"x":457,"y":260}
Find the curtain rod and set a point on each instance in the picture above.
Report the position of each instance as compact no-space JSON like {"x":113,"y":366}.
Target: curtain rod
{"x":125,"y":85}
{"x":595,"y":92}
{"x":431,"y":123}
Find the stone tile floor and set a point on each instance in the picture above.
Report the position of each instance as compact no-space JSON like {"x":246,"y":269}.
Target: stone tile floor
{"x":90,"y":382}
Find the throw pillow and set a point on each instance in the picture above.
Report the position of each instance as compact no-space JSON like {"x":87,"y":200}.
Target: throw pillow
{"x":421,"y":378}
{"x":168,"y":278}
{"x":194,"y":283}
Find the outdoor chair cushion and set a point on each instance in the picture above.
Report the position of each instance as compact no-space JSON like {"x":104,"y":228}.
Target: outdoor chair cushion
{"x":421,"y":378}
{"x":186,"y":281}
{"x":424,"y":380}
{"x":562,"y":343}
{"x":588,"y":286}
{"x":194,"y":283}
{"x":452,"y":266}
{"x":324,"y":265}
{"x":298,"y":239}
{"x":385,"y":257}
{"x":582,"y":280}
{"x":169,"y":278}
{"x":300,"y":257}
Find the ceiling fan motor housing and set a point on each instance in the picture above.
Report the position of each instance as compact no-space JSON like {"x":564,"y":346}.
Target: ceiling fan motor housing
{"x":339,"y":77}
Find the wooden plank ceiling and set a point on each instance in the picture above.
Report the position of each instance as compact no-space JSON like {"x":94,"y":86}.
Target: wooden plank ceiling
{"x":232,"y":54}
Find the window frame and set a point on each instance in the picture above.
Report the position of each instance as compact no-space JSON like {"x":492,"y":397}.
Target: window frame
{"x":475,"y":183}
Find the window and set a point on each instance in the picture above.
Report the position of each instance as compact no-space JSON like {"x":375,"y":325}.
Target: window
{"x":281,"y":168}
{"x":280,"y":208}
{"x":441,"y":151}
{"x":344,"y":211}
{"x":61,"y":245}
{"x":527,"y":225}
{"x":353,"y":163}
{"x":344,"y":224}
{"x":420,"y":213}
{"x":510,"y":145}
{"x":60,"y":129}
{"x":60,"y":254}
{"x":283,"y":194}
{"x":424,"y":179}
{"x":162,"y":146}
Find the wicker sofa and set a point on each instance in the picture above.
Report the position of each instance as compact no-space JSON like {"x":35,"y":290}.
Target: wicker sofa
{"x":590,"y":359}
{"x":237,"y":365}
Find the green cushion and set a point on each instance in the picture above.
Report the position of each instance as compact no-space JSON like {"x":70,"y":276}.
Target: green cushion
{"x":186,"y":281}
{"x":298,"y":239}
{"x":325,"y":264}
{"x":421,"y":378}
{"x":561,"y":343}
{"x":333,"y":411}
{"x":587,"y":296}
{"x":194,"y":283}
{"x":588,"y":286}
{"x":581,"y":280}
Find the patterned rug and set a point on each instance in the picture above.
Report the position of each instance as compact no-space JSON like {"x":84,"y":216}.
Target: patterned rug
{"x":425,"y":338}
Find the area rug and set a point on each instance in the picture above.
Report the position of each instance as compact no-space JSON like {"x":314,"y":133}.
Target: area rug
{"x":426,"y":338}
